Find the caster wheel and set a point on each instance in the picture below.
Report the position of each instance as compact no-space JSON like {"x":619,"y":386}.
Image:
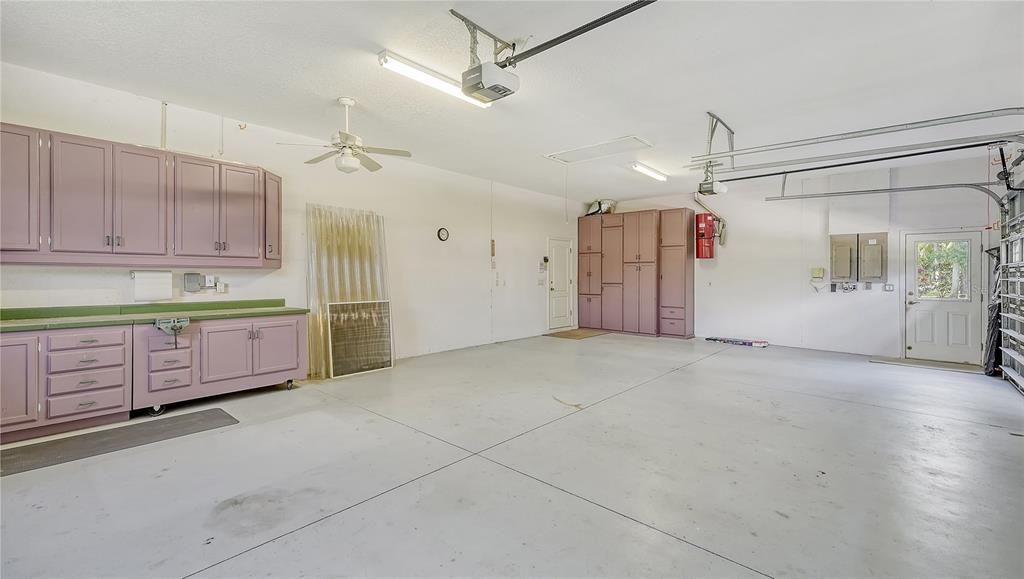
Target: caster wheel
{"x":157,"y":410}
{"x":290,"y":384}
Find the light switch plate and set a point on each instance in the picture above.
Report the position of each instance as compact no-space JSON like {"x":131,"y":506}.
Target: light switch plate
{"x":889,"y":287}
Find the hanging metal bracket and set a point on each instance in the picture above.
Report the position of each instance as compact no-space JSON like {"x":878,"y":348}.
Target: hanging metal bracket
{"x":500,"y":45}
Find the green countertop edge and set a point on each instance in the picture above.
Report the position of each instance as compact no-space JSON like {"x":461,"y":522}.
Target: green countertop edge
{"x":125,"y":309}
{"x":27,"y":325}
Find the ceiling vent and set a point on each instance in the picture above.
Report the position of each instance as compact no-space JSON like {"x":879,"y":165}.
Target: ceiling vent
{"x":606,"y":149}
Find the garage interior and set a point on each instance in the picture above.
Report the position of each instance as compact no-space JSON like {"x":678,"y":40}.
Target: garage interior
{"x":688,"y":289}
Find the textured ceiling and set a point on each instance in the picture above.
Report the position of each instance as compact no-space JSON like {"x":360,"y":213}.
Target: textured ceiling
{"x":774,"y":71}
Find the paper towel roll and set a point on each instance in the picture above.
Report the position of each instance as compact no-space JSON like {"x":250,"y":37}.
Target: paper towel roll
{"x":151,"y":286}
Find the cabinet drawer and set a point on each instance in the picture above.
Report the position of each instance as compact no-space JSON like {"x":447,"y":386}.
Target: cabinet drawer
{"x":673,"y":313}
{"x":87,"y":339}
{"x":85,"y":359}
{"x":172,"y":379}
{"x":81,"y":381}
{"x":170,"y":360}
{"x":158,"y":343}
{"x":86,"y":402}
{"x":673,"y":327}
{"x":611,"y":220}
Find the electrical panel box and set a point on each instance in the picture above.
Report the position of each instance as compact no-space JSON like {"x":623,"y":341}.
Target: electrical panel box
{"x":843,"y":257}
{"x":873,"y":257}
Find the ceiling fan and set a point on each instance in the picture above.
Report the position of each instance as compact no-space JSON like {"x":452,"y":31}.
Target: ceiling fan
{"x":349,"y":150}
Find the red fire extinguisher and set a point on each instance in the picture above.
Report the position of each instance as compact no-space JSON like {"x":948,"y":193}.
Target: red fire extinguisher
{"x":705,"y":235}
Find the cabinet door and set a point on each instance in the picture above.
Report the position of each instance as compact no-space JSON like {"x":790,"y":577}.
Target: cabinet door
{"x":595,"y":311}
{"x":647,"y":236}
{"x":611,"y":256}
{"x":647,"y":299}
{"x":19,"y":372}
{"x":583,"y":273}
{"x":630,"y":297}
{"x":674,"y":226}
{"x":196,"y":207}
{"x":583,"y":234}
{"x":241,"y":211}
{"x":584,"y":312}
{"x":590,"y":234}
{"x":630,"y":237}
{"x":19,"y":188}
{"x":595,"y":273}
{"x":140,"y":201}
{"x":226,"y":350}
{"x":611,"y":307}
{"x":673,"y":279}
{"x":272,"y":203}
{"x":276,"y":347}
{"x":82,"y":194}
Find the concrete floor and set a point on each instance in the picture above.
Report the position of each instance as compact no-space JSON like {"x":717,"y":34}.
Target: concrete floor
{"x":615,"y":455}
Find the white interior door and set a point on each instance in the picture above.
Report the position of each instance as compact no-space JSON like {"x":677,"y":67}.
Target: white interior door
{"x":944,"y":296}
{"x":559,"y":283}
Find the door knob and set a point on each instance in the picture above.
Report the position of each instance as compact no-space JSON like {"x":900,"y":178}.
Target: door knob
{"x":912,"y":302}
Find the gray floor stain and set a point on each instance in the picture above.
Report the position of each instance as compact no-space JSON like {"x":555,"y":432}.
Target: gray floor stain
{"x":244,"y":514}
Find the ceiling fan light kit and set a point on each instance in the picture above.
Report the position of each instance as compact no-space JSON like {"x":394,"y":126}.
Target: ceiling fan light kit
{"x":348,"y":149}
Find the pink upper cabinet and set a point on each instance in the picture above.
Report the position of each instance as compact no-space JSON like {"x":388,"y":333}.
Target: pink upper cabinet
{"x":674,"y":226}
{"x":611,"y":257}
{"x":240,"y":210}
{"x":19,"y":188}
{"x":140,"y":201}
{"x":81,"y":194}
{"x":630,"y":237}
{"x":647,"y":236}
{"x":196,"y":207}
{"x":272,"y":202}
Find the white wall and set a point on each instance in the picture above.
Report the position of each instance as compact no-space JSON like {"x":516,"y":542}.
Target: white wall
{"x":759,"y":286}
{"x":444,"y":295}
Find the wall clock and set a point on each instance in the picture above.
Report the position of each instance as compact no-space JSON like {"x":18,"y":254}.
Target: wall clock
{"x":442,"y":234}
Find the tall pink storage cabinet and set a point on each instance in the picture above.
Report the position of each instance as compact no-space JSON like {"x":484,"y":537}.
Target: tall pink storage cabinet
{"x":641,"y":278}
{"x":589,"y":272}
{"x":676,"y":278}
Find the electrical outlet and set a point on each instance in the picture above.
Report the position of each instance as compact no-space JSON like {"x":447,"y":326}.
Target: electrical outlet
{"x":889,"y":287}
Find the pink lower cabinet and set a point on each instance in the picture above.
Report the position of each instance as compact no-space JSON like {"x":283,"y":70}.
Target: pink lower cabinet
{"x":590,"y":311}
{"x":58,"y":380}
{"x":216,"y":357}
{"x":611,"y":307}
{"x":19,"y":389}
{"x":640,"y":298}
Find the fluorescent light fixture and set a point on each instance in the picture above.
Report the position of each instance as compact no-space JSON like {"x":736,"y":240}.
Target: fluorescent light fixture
{"x":657,"y":175}
{"x":422,"y":74}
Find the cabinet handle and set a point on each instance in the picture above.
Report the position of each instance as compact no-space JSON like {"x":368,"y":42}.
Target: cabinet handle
{"x":87,"y":404}
{"x":250,"y":334}
{"x":87,"y":382}
{"x":270,"y":248}
{"x":88,"y":341}
{"x":170,"y":380}
{"x":171,"y":361}
{"x":106,"y":240}
{"x":118,"y":240}
{"x":87,"y":360}
{"x":216,"y":245}
{"x":224,"y":245}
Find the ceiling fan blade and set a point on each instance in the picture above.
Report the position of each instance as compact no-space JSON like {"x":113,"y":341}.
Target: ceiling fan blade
{"x":383,"y":151}
{"x":303,"y":145}
{"x":368,"y":163}
{"x":348,"y":138}
{"x":323,"y":157}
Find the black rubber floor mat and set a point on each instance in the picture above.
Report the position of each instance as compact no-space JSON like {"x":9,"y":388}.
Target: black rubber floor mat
{"x":53,"y":452}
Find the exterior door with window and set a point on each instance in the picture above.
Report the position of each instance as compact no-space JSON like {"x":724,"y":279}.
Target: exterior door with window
{"x":944,"y":297}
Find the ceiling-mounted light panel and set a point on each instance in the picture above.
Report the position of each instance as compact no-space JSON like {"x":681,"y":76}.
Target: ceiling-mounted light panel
{"x":424,"y":75}
{"x":605,"y":149}
{"x":652,"y":173}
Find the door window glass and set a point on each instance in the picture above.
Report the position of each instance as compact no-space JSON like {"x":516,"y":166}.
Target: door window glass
{"x":943,"y":270}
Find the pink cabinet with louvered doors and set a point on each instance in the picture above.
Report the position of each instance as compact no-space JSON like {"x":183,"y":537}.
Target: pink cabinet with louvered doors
{"x":82,"y":194}
{"x":19,"y":188}
{"x":272,"y":204}
{"x":19,"y":390}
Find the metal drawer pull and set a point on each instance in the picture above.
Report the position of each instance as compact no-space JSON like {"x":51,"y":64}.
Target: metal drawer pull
{"x":87,"y":360}
{"x":170,"y":380}
{"x":87,"y":382}
{"x":171,"y":361}
{"x":88,"y":341}
{"x":87,"y":404}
